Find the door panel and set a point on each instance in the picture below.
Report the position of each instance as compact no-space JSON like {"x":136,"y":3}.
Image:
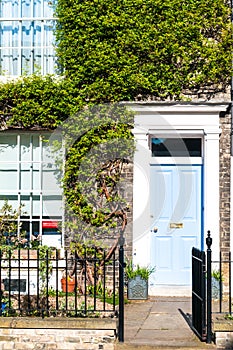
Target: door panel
{"x":176,"y":221}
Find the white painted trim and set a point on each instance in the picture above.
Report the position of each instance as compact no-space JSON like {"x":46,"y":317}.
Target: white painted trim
{"x":202,"y":119}
{"x":176,"y":160}
{"x":175,"y":107}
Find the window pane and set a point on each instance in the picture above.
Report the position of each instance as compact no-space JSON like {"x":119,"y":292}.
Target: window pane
{"x":176,"y":147}
{"x":9,"y":61}
{"x":37,"y":33}
{"x":31,"y":205}
{"x":27,"y":30}
{"x":11,"y":199}
{"x":26,"y":61}
{"x":26,"y":152}
{"x":8,"y":177}
{"x":36,"y":206}
{"x":48,"y":8}
{"x":50,"y":155}
{"x":48,"y":33}
{"x":27,"y":8}
{"x":38,"y":8}
{"x":25,"y":148}
{"x":9,"y":8}
{"x":51,"y":179}
{"x":36,"y":148}
{"x":30,"y":177}
{"x":37,"y":58}
{"x":9,"y":33}
{"x":25,"y":202}
{"x":49,"y":61}
{"x":52,"y":206}
{"x":25,"y":228}
{"x":25,"y":176}
{"x":8,"y":148}
{"x":35,"y":228}
{"x":36,"y":178}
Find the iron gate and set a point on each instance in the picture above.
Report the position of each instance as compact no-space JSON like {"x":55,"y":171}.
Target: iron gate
{"x":199,"y":293}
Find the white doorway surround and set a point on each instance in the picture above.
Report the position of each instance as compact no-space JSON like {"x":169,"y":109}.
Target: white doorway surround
{"x":152,"y":243}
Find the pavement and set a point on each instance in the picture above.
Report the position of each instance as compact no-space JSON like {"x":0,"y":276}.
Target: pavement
{"x":161,"y":322}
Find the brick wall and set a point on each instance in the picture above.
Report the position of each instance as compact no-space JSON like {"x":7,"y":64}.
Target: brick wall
{"x":225,"y":194}
{"x":128,"y":195}
{"x":224,"y":185}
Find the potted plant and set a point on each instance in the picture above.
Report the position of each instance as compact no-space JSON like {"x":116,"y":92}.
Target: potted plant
{"x":137,"y":280}
{"x":67,"y":283}
{"x":216,"y":282}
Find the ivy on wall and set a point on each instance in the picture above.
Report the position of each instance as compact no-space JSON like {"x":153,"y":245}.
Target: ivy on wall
{"x":34,"y":102}
{"x":93,"y":183}
{"x":117,"y":51}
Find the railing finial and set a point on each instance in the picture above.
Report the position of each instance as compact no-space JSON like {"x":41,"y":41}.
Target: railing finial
{"x":208,"y":240}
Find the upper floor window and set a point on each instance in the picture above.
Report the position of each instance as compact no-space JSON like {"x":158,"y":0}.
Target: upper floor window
{"x":26,"y":37}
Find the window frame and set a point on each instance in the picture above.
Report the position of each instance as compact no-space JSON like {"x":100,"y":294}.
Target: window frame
{"x":19,"y":194}
{"x":20,"y":19}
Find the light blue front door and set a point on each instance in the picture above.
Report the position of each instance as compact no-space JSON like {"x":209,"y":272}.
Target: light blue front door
{"x":176,"y":221}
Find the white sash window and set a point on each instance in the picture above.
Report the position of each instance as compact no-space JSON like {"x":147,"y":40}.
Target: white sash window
{"x":26,"y":37}
{"x":29,"y":176}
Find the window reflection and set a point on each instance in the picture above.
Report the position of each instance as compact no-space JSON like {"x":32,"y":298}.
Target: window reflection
{"x":29,"y":177}
{"x":176,"y":147}
{"x":26,"y":37}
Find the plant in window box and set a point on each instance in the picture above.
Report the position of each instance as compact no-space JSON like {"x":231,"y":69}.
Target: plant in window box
{"x":137,"y":280}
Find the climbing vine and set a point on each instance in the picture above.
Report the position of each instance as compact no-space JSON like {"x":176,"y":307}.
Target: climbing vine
{"x":94,"y":182}
{"x":123,"y":50}
{"x":111,"y":52}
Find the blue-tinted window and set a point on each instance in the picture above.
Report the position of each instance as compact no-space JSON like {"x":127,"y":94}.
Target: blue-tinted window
{"x":26,"y":37}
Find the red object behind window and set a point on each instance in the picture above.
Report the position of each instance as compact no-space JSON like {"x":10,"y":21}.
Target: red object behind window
{"x":49,"y":224}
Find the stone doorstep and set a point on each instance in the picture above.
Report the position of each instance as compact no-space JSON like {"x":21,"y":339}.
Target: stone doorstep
{"x":60,"y":323}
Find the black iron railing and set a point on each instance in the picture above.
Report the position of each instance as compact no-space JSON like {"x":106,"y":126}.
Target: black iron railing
{"x":199,"y":293}
{"x":221,"y":284}
{"x":211,"y":289}
{"x":44,"y":283}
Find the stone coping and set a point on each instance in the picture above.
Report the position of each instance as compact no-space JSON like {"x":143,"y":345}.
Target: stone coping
{"x":224,"y":326}
{"x":59,"y":323}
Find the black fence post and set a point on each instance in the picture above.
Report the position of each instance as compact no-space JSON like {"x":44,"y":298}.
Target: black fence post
{"x":121,"y":290}
{"x":209,"y":289}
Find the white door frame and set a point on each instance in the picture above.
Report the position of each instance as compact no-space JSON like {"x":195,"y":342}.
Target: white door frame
{"x":192,"y":118}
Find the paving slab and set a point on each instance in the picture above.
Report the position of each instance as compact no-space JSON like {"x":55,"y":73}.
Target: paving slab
{"x":159,"y":323}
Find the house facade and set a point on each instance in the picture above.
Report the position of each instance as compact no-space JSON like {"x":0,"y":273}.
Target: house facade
{"x":181,"y":170}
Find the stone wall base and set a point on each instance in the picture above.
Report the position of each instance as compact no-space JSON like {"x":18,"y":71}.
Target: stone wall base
{"x":17,"y":334}
{"x":224,"y":340}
